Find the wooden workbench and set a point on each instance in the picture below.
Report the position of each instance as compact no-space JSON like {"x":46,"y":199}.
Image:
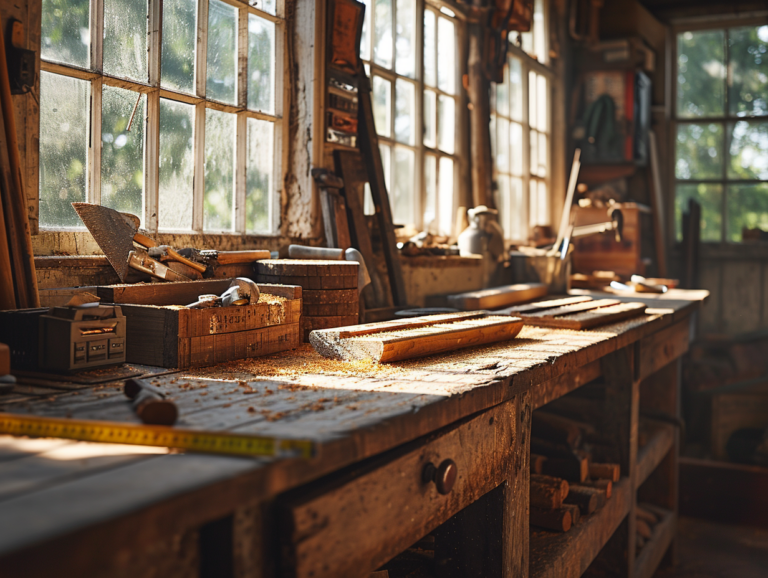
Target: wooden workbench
{"x":80,"y":509}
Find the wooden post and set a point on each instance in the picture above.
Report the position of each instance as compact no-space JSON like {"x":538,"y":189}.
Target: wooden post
{"x":480,"y":116}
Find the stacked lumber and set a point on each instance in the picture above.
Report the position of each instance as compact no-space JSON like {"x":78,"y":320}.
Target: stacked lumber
{"x":565,"y":484}
{"x":329,"y":290}
{"x":579,"y":312}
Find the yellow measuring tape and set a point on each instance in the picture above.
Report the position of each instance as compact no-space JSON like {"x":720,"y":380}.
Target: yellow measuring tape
{"x":148,"y":435}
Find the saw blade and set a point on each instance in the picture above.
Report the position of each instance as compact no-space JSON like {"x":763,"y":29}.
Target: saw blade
{"x":111,"y":232}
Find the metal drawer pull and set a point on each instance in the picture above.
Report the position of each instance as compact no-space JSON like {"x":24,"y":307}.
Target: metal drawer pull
{"x":443,"y":475}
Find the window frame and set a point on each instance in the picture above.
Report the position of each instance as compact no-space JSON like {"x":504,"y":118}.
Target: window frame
{"x":420,"y":150}
{"x":723,"y":121}
{"x":153,"y":90}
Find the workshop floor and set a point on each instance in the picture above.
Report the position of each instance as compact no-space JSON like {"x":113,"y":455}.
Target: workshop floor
{"x":711,"y":550}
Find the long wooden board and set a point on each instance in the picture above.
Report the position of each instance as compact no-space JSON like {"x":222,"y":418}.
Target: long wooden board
{"x":496,"y":297}
{"x":541,"y":305}
{"x":587,"y":319}
{"x":181,"y":292}
{"x":397,"y":340}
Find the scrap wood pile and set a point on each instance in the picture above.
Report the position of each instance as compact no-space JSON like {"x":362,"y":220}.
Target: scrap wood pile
{"x":565,"y":483}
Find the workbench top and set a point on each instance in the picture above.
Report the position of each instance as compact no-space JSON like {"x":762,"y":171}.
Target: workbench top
{"x":72,"y":491}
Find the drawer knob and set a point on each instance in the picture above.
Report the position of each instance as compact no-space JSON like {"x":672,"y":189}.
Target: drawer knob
{"x":444,"y":476}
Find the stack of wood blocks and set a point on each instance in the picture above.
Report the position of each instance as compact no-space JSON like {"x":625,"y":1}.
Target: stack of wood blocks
{"x":647,"y":517}
{"x":329,"y":290}
{"x":565,"y":483}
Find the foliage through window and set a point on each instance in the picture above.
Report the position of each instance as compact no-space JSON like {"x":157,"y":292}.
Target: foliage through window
{"x":721,"y":153}
{"x":415,"y":88}
{"x":179,"y":125}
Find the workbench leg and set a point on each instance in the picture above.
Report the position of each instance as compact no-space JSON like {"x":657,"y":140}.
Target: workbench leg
{"x":489,"y":538}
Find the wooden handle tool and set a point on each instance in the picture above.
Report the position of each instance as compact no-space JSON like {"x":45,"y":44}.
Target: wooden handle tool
{"x":231,"y":257}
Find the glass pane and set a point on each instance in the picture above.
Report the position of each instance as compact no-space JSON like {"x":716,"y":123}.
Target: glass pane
{"x":125,"y":39}
{"x":540,"y":33}
{"x":261,"y":64}
{"x":517,"y":229}
{"x":748,"y":86}
{"x":515,"y":89}
{"x":177,"y":164}
{"x":493,"y":129}
{"x":386,"y":163}
{"x":365,"y":37}
{"x":430,"y":119}
{"x":699,"y":151}
{"x":543,"y":155}
{"x":446,"y":109}
{"x":533,"y":102}
{"x":503,"y":203}
{"x":122,"y":150}
{"x":430,"y":50}
{"x":446,"y":195}
{"x":258,"y":187}
{"x":534,"y":152}
{"x":382,"y":106}
{"x":219,"y":170}
{"x":502,"y":145}
{"x":430,"y":189}
{"x":382,"y":37}
{"x":539,"y":203}
{"x":64,"y":130}
{"x":222,"y":61}
{"x":700,"y":73}
{"x":711,"y":199}
{"x":405,"y":62}
{"x":446,"y":55}
{"x":268,"y":6}
{"x":502,"y":95}
{"x":403,"y":187}
{"x":533,"y":198}
{"x":65,"y":36}
{"x":747,"y":209}
{"x":542,"y":106}
{"x":748,"y":150}
{"x":178,"y":56}
{"x":405,"y":111}
{"x":516,"y":148}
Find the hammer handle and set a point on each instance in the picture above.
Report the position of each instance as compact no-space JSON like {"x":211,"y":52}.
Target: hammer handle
{"x":229,"y":257}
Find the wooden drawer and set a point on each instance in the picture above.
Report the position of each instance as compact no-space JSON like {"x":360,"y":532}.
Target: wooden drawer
{"x":352,"y":525}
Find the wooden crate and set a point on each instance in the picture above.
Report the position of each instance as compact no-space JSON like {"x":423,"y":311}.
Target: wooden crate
{"x":166,"y":334}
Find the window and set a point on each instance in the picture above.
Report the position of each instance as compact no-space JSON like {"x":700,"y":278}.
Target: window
{"x":178,"y":125}
{"x":521,"y":134}
{"x":414,"y":76}
{"x":721,"y":152}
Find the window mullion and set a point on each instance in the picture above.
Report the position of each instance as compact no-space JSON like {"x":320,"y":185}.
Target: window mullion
{"x":152,"y":144}
{"x":97,"y":35}
{"x":526,"y":144}
{"x":201,"y":67}
{"x":241,"y":137}
{"x":94,"y":158}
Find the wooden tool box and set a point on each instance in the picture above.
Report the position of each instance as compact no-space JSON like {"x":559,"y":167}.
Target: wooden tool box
{"x":162,"y":332}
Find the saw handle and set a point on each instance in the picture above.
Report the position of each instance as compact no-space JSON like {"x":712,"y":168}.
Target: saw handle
{"x":145,"y":241}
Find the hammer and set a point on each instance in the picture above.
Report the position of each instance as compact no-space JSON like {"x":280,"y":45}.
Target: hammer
{"x":149,"y":403}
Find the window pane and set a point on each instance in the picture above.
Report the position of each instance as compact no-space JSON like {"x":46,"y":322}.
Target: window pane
{"x":543,"y":155}
{"x":430,"y":189}
{"x":540,"y":32}
{"x":261,"y":155}
{"x":261,"y":64}
{"x":515,"y":89}
{"x":494,"y":138}
{"x":268,"y":6}
{"x":382,"y":40}
{"x":533,"y":199}
{"x":405,"y":111}
{"x":699,"y":151}
{"x":430,"y":50}
{"x":517,"y":229}
{"x":446,"y":55}
{"x":747,"y":209}
{"x":125,"y":39}
{"x":64,"y":130}
{"x":748,"y":52}
{"x":748,"y":150}
{"x":534,"y":152}
{"x":179,"y":37}
{"x":219,"y":170}
{"x":542,"y":105}
{"x":700,"y":73}
{"x":406,"y":38}
{"x":430,"y":119}
{"x":516,"y":148}
{"x":122,"y":151}
{"x":403,"y":187}
{"x":539,"y":203}
{"x":502,"y":95}
{"x":533,"y":102}
{"x":365,"y":37}
{"x":446,"y":195}
{"x":446,"y":109}
{"x":382,"y":106}
{"x":177,"y":130}
{"x":503,"y":203}
{"x":711,"y":199}
{"x":502,"y":145}
{"x":222,"y":35}
{"x":64,"y":32}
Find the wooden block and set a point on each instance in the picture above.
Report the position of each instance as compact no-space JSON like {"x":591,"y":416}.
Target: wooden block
{"x":415,"y":337}
{"x":306,"y":268}
{"x":585,"y":498}
{"x":558,"y":520}
{"x":497,"y":297}
{"x":573,"y":470}
{"x":543,"y":305}
{"x":179,"y":293}
{"x":5,"y":359}
{"x":331,"y":309}
{"x":321,"y":297}
{"x":587,"y":319}
{"x":603,"y":485}
{"x":575,"y":512}
{"x":646,"y":515}
{"x":537,"y":463}
{"x":605,"y":471}
{"x":547,"y":492}
{"x":328,"y":322}
{"x":556,"y":429}
{"x":643,"y":529}
{"x":311,"y":282}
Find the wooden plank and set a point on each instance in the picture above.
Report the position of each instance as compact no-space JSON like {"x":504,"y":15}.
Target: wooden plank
{"x":588,"y":319}
{"x":568,"y":555}
{"x":177,"y":293}
{"x":369,"y":505}
{"x":574,"y":308}
{"x":497,"y":297}
{"x":393,"y":343}
{"x":654,"y":550}
{"x":544,"y":304}
{"x":311,"y":282}
{"x":552,"y":389}
{"x":650,"y":455}
{"x":305,"y":267}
